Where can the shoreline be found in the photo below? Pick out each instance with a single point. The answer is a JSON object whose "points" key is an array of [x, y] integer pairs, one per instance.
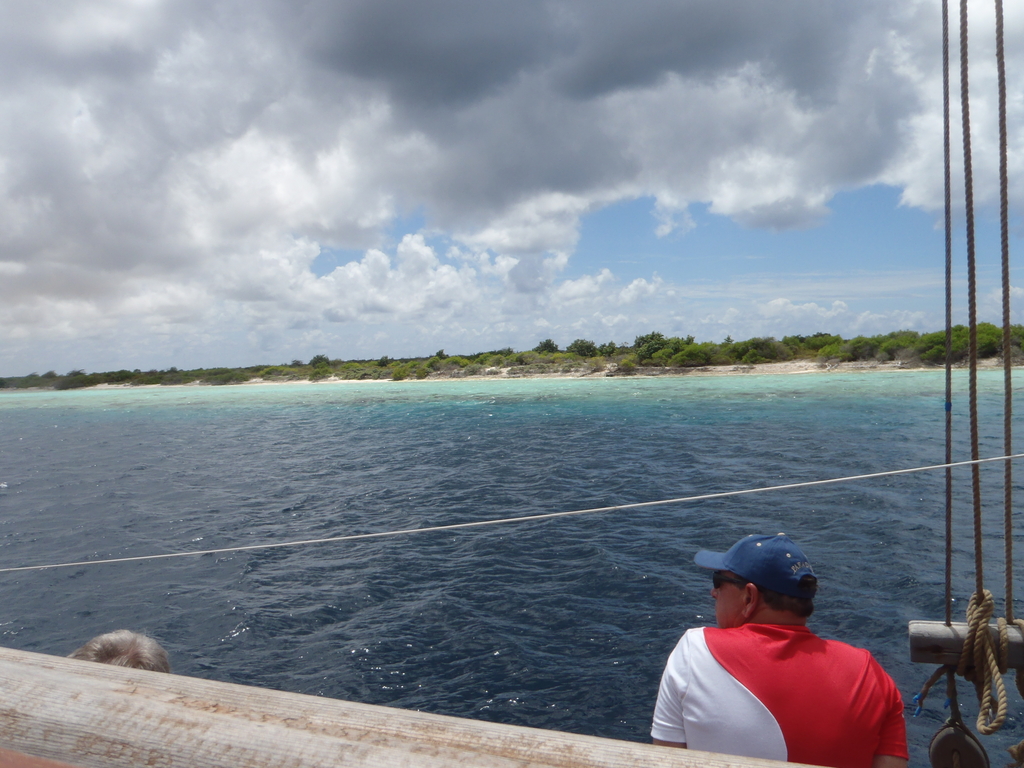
{"points": [[786, 368]]}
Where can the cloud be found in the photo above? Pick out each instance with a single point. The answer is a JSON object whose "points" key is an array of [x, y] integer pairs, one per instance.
{"points": [[445, 52], [416, 286], [169, 171]]}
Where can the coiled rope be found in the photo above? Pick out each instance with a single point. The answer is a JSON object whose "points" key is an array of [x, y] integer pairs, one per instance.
{"points": [[509, 520]]}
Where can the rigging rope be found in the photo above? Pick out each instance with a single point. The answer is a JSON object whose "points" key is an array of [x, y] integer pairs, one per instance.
{"points": [[1007, 361], [972, 304], [980, 660], [1017, 751], [949, 311], [523, 519]]}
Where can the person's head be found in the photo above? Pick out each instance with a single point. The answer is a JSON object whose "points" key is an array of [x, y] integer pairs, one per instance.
{"points": [[124, 648], [761, 577]]}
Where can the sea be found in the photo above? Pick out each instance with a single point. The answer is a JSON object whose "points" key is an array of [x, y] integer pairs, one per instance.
{"points": [[562, 624]]}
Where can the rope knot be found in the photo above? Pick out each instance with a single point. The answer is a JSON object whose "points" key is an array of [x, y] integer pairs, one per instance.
{"points": [[980, 663]]}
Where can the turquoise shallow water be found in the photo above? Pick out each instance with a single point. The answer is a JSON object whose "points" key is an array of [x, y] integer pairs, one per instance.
{"points": [[563, 624]]}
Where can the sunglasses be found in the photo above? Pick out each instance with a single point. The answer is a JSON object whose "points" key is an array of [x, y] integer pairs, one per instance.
{"points": [[718, 579]]}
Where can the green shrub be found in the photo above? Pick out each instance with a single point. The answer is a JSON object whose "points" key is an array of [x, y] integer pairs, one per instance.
{"points": [[582, 348], [648, 344], [627, 364], [180, 377], [77, 381], [274, 370], [546, 346], [990, 339], [117, 377], [32, 380], [399, 372], [932, 346], [221, 376], [763, 349], [862, 348], [349, 370], [694, 355], [834, 351], [318, 361], [147, 379], [818, 340], [661, 357]]}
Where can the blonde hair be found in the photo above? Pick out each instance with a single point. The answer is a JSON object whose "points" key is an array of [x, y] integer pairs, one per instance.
{"points": [[124, 648]]}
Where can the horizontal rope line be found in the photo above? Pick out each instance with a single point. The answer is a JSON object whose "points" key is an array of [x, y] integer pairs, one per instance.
{"points": [[524, 519]]}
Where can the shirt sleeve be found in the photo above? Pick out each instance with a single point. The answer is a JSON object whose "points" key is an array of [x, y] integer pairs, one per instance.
{"points": [[668, 712], [892, 739]]}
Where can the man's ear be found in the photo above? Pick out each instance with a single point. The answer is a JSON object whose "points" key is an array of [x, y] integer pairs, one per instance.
{"points": [[751, 600]]}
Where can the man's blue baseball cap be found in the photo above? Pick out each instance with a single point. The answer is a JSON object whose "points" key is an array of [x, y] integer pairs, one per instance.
{"points": [[773, 562]]}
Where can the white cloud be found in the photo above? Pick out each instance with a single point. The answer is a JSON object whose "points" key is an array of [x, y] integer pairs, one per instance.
{"points": [[415, 285], [546, 222], [639, 289], [585, 288]]}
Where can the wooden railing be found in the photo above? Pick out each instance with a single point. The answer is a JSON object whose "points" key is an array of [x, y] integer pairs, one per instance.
{"points": [[87, 714]]}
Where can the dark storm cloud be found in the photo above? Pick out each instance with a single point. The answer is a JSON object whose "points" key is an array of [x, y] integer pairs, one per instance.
{"points": [[514, 96], [625, 45], [444, 52], [447, 53]]}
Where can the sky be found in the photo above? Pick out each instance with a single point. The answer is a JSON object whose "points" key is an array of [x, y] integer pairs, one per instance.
{"points": [[229, 183]]}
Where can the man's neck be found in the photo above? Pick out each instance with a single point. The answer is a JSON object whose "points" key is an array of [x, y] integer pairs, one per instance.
{"points": [[767, 615]]}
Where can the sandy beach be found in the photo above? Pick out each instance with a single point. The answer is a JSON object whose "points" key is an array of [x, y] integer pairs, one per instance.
{"points": [[788, 367]]}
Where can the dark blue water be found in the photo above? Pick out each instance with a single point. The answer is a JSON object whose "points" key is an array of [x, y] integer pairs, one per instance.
{"points": [[564, 624]]}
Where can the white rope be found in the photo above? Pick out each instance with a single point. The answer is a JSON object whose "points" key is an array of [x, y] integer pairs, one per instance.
{"points": [[524, 519]]}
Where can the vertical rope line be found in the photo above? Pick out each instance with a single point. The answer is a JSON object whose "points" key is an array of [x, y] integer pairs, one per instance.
{"points": [[972, 308], [1004, 218], [949, 315]]}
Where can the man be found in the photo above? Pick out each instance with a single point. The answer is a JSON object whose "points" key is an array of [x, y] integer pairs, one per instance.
{"points": [[763, 685], [124, 648]]}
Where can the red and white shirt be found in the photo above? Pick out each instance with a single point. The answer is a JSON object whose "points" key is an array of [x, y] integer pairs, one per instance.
{"points": [[779, 692]]}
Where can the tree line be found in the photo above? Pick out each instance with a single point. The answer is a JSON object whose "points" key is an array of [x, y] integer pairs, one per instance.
{"points": [[648, 351]]}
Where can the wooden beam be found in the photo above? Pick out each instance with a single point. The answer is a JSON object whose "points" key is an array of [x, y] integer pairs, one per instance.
{"points": [[95, 715], [10, 759], [932, 642]]}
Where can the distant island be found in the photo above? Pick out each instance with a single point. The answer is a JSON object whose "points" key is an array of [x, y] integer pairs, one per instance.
{"points": [[649, 354]]}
